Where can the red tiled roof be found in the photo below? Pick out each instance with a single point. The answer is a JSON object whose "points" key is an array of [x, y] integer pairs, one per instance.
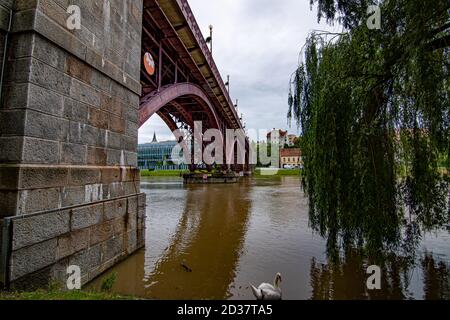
{"points": [[281, 132], [290, 152]]}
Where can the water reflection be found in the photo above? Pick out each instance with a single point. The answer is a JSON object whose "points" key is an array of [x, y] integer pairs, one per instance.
{"points": [[209, 242], [194, 240], [436, 279], [203, 253], [346, 278]]}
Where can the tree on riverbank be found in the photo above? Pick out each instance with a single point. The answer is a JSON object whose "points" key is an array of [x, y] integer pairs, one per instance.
{"points": [[373, 107]]}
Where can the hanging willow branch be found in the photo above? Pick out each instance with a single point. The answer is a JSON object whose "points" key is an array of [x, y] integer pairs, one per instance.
{"points": [[373, 108]]}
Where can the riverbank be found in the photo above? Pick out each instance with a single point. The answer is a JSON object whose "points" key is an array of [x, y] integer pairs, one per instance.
{"points": [[162, 173], [264, 172], [61, 295], [268, 172]]}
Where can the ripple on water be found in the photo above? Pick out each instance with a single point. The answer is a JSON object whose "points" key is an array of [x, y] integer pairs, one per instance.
{"points": [[230, 235]]}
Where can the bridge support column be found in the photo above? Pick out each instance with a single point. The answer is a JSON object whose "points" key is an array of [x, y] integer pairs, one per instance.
{"points": [[69, 186]]}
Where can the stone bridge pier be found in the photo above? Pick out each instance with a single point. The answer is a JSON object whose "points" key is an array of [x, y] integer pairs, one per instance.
{"points": [[69, 187]]}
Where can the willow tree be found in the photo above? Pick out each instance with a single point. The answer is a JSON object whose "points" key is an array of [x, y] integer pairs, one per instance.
{"points": [[373, 108]]}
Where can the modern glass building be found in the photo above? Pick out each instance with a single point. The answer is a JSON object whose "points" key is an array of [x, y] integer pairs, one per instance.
{"points": [[158, 156]]}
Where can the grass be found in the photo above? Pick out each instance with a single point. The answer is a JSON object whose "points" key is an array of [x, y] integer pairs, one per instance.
{"points": [[61, 295], [54, 292], [279, 173], [162, 173]]}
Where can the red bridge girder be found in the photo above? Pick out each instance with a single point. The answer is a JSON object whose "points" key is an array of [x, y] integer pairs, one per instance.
{"points": [[173, 37], [155, 101]]}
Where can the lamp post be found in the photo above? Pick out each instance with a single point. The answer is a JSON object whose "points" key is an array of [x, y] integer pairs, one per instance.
{"points": [[210, 38]]}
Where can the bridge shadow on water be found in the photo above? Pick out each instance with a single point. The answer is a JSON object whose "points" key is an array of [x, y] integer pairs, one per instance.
{"points": [[204, 248], [202, 257]]}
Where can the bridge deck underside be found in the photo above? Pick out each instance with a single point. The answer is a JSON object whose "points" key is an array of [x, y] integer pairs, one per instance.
{"points": [[178, 55], [184, 111]]}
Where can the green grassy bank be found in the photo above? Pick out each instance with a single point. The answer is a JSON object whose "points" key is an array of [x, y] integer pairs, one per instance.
{"points": [[61, 295], [162, 173], [266, 173]]}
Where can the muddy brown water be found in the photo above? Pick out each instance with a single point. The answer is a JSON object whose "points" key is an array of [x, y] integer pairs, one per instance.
{"points": [[211, 241]]}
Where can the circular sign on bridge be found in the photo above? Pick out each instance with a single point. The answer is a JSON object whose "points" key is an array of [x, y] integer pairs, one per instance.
{"points": [[149, 64]]}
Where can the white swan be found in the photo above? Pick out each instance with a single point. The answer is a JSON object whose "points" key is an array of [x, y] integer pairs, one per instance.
{"points": [[267, 291]]}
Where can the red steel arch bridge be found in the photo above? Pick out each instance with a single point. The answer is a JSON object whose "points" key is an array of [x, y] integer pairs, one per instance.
{"points": [[186, 86]]}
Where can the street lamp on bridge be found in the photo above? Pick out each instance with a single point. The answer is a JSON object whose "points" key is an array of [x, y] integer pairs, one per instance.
{"points": [[210, 38]]}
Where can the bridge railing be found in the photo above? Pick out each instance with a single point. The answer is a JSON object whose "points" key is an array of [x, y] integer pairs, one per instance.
{"points": [[190, 18]]}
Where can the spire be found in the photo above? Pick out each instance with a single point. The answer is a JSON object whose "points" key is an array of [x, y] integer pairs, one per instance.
{"points": [[154, 138]]}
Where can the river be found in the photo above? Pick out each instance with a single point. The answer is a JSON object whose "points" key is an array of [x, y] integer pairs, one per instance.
{"points": [[211, 241]]}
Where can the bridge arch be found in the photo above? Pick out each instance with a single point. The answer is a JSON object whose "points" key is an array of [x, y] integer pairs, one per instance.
{"points": [[153, 102]]}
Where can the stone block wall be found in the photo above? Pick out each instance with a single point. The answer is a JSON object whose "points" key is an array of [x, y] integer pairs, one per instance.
{"points": [[5, 8], [68, 131], [93, 237]]}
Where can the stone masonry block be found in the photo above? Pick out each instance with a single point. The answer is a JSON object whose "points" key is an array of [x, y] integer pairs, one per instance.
{"points": [[40, 125], [9, 177], [75, 111], [8, 203], [38, 200], [48, 53], [37, 177], [74, 154], [131, 114], [38, 151], [116, 124], [142, 201], [73, 242], [114, 157], [77, 69], [84, 134], [131, 243], [82, 176], [114, 141], [115, 209], [87, 216], [131, 222], [131, 159], [132, 204], [73, 196], [21, 45], [132, 129], [34, 229], [11, 149], [33, 258], [113, 105], [110, 174], [129, 174], [12, 122], [33, 97], [44, 100], [96, 156], [98, 118], [84, 93], [119, 226], [114, 247], [101, 232], [132, 187], [129, 144], [50, 78], [87, 259]]}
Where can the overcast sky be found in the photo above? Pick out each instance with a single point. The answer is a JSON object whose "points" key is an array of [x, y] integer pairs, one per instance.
{"points": [[257, 43]]}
